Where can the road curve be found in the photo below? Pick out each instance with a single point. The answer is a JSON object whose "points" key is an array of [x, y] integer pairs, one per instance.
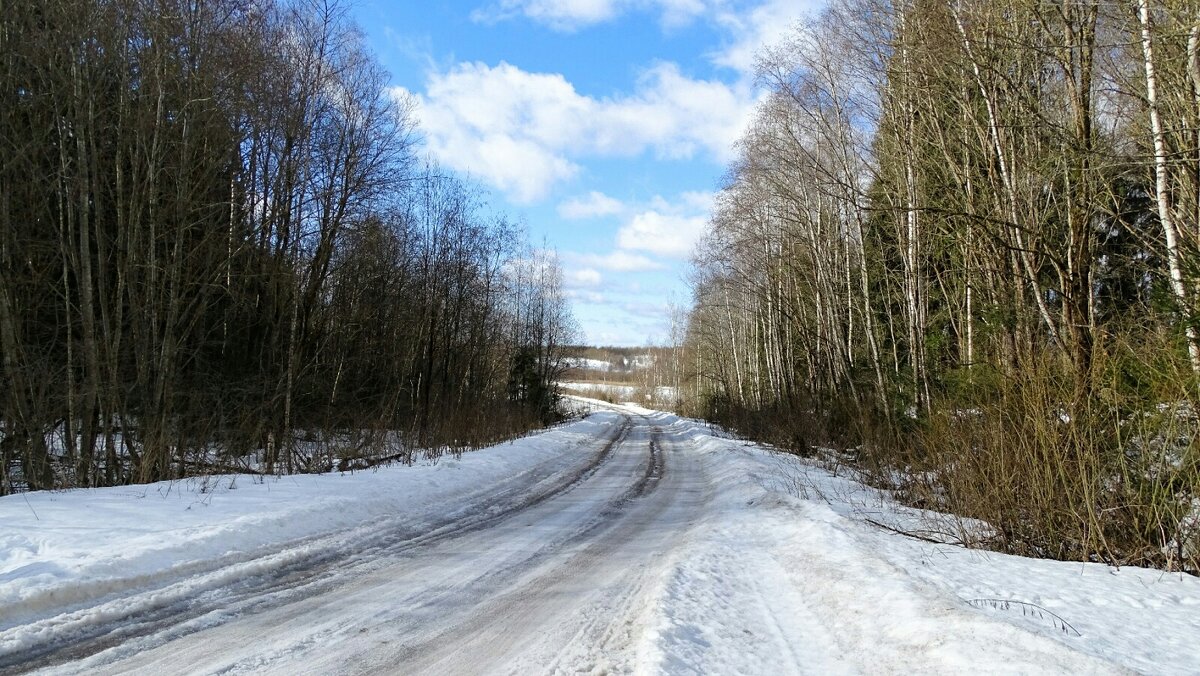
{"points": [[552, 577]]}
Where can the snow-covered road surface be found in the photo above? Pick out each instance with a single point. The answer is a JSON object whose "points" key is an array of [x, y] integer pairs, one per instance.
{"points": [[629, 542]]}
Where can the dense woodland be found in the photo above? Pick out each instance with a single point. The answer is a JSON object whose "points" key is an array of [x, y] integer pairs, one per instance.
{"points": [[218, 249], [962, 241]]}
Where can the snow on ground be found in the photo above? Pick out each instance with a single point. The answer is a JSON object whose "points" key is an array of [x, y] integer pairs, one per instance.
{"points": [[775, 569], [790, 552], [612, 389], [585, 363], [62, 548], [618, 391]]}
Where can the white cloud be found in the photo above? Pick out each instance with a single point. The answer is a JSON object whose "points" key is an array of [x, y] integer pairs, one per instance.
{"points": [[592, 205], [583, 277], [679, 116], [661, 227], [748, 25], [571, 15], [495, 156], [616, 261], [521, 132], [501, 124], [765, 25], [560, 15], [668, 229], [663, 234], [693, 200], [676, 13]]}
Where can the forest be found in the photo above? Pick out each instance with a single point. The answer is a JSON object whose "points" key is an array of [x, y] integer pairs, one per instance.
{"points": [[960, 250], [220, 251]]}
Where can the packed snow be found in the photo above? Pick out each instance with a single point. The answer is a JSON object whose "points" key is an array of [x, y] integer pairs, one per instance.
{"points": [[793, 555], [59, 550], [652, 544]]}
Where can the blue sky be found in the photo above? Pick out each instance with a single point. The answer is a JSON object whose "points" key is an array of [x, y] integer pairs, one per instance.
{"points": [[602, 125]]}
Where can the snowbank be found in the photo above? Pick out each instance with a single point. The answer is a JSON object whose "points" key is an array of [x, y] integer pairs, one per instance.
{"points": [[61, 549], [791, 552]]}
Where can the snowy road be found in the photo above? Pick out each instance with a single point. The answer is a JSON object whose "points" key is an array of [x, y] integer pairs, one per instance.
{"points": [[550, 584], [550, 574], [630, 542]]}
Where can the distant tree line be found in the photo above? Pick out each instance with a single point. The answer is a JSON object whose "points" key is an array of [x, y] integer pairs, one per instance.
{"points": [[962, 240], [218, 250]]}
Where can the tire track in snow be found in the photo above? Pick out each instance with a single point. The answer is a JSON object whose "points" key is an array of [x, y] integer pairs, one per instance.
{"points": [[526, 628], [312, 565]]}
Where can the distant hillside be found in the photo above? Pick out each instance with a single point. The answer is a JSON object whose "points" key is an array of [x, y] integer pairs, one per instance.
{"points": [[587, 362]]}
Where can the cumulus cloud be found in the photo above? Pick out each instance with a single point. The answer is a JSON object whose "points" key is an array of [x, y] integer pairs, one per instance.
{"points": [[668, 229], [663, 234], [592, 205], [749, 31], [521, 132]]}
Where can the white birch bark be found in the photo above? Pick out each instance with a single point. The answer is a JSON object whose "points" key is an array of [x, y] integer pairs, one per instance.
{"points": [[1162, 185]]}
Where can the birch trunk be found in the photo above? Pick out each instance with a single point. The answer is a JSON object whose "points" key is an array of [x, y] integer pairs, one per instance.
{"points": [[1162, 187]]}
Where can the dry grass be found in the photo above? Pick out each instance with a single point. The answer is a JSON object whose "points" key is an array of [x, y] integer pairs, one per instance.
{"points": [[1110, 476]]}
